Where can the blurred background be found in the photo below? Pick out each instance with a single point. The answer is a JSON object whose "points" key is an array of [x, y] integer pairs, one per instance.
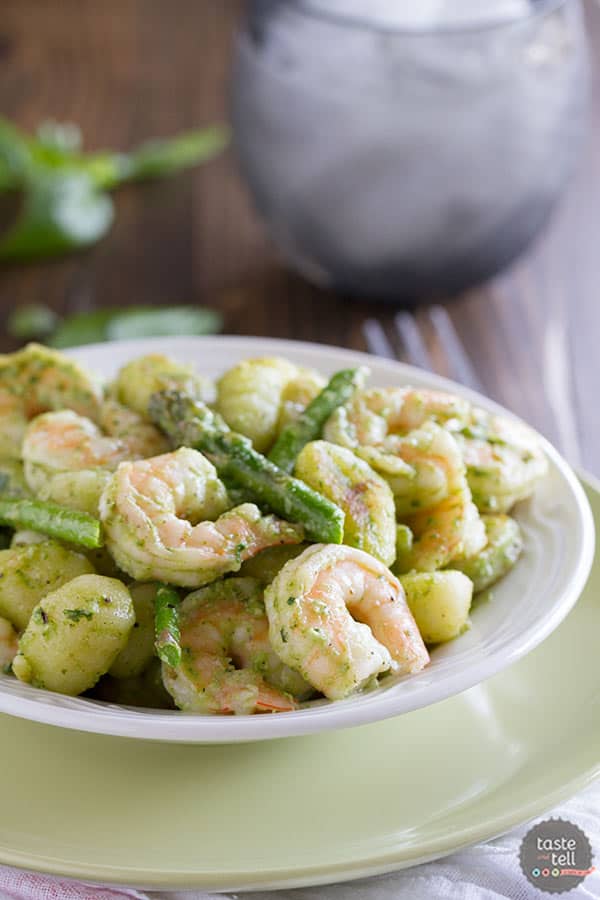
{"points": [[132, 70]]}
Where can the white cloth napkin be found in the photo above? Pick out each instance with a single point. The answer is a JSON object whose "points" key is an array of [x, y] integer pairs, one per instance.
{"points": [[483, 872]]}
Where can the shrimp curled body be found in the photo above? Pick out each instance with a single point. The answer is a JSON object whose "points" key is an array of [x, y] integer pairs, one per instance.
{"points": [[227, 664], [451, 526], [504, 461], [376, 425], [148, 509], [36, 380], [340, 618], [68, 460]]}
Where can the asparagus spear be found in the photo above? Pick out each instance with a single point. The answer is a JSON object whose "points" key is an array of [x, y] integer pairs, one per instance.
{"points": [[166, 625], [309, 424], [192, 424], [51, 519]]}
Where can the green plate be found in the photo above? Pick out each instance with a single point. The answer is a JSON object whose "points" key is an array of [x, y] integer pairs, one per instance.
{"points": [[318, 809]]}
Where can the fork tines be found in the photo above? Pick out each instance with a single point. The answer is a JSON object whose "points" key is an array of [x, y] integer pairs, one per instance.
{"points": [[407, 336]]}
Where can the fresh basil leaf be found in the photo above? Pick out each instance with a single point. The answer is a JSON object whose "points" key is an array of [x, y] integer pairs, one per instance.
{"points": [[61, 211], [65, 201], [61, 137], [159, 158], [136, 321], [157, 322], [82, 328], [15, 158]]}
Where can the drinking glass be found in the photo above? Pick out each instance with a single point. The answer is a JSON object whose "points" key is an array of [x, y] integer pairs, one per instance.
{"points": [[403, 161]]}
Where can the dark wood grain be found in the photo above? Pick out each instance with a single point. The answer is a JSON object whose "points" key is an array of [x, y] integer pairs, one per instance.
{"points": [[129, 69]]}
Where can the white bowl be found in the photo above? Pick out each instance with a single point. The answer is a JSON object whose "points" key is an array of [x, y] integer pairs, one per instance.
{"points": [[526, 607]]}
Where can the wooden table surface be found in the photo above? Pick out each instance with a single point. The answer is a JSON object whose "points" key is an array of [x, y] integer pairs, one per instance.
{"points": [[126, 70]]}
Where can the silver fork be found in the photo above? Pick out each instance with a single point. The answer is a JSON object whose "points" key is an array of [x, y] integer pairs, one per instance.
{"points": [[556, 368], [412, 347]]}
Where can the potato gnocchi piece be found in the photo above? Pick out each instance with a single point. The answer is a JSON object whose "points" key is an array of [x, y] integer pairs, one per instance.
{"points": [[250, 395], [75, 490], [363, 495], [139, 650], [440, 603], [9, 643], [30, 571], [144, 376], [297, 394], [75, 634]]}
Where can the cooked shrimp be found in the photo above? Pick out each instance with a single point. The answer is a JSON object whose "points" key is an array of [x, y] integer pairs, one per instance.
{"points": [[377, 423], [68, 460], [504, 545], [451, 527], [339, 617], [141, 438], [432, 497], [35, 380], [149, 509], [64, 441], [9, 643], [504, 461], [503, 457], [375, 415], [228, 664]]}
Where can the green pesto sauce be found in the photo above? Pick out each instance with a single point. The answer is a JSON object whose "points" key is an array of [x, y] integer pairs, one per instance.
{"points": [[75, 615]]}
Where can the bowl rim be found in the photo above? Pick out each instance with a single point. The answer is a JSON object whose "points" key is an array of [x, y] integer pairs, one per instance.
{"points": [[82, 714]]}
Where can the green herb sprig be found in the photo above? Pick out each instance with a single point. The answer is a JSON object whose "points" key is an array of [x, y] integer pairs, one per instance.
{"points": [[38, 322], [65, 201]]}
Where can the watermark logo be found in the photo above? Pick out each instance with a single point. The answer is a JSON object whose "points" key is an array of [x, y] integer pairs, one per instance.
{"points": [[556, 856]]}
